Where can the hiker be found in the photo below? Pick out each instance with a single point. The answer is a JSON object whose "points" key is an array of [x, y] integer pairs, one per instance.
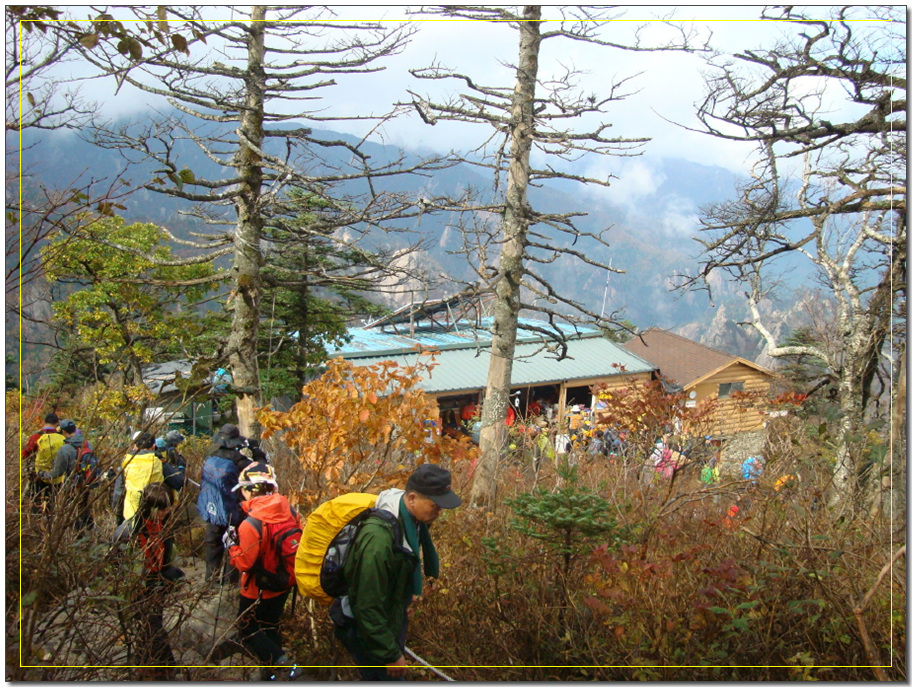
{"points": [[140, 467], [66, 467], [249, 547], [172, 455], [149, 529], [218, 502], [542, 447], [43, 445], [384, 576], [468, 412], [174, 465], [597, 445], [752, 468], [662, 458]]}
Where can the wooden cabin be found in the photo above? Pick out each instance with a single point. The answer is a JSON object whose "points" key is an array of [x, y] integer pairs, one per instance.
{"points": [[707, 373]]}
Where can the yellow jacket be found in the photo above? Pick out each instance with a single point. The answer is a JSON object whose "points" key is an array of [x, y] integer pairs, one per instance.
{"points": [[139, 470]]}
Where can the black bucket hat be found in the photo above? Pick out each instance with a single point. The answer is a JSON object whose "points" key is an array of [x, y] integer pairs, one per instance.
{"points": [[433, 481], [228, 436]]}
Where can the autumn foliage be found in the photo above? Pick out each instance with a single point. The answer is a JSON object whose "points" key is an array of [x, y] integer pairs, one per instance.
{"points": [[644, 412], [363, 429]]}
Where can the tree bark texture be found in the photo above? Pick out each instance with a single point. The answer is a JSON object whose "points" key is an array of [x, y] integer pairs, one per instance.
{"points": [[248, 259], [515, 227], [898, 505]]}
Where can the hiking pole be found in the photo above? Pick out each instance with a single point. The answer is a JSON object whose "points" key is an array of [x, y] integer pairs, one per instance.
{"points": [[218, 607], [428, 665]]}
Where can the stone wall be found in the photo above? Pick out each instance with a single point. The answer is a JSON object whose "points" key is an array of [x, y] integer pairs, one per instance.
{"points": [[739, 447]]}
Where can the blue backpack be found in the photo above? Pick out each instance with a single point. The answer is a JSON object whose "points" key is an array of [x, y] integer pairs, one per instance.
{"points": [[217, 503], [752, 468]]}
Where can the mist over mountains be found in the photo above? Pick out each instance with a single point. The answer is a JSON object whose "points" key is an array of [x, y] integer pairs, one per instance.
{"points": [[651, 209]]}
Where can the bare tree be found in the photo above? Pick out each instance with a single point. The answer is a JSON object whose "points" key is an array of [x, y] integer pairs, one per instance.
{"points": [[832, 192], [258, 71], [514, 248]]}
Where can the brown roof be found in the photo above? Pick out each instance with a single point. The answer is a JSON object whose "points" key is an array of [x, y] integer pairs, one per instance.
{"points": [[678, 359]]}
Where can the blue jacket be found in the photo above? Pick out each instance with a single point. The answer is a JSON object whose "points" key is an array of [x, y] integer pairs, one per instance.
{"points": [[217, 503]]}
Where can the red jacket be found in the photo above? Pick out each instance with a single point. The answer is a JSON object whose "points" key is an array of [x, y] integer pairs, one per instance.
{"points": [[244, 555]]}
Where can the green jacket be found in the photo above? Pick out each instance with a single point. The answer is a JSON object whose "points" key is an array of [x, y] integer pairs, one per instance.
{"points": [[379, 578]]}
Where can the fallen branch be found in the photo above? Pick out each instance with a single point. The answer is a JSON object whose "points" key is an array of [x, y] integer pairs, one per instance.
{"points": [[858, 611]]}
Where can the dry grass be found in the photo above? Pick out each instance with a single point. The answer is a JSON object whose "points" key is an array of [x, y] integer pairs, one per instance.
{"points": [[768, 594]]}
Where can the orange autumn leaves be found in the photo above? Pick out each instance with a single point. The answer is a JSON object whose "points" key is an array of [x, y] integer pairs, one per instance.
{"points": [[363, 428]]}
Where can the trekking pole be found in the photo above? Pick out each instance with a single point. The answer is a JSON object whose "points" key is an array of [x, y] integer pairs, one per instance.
{"points": [[294, 597], [428, 665], [218, 607]]}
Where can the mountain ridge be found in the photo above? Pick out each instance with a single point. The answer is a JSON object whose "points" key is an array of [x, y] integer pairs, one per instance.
{"points": [[652, 214]]}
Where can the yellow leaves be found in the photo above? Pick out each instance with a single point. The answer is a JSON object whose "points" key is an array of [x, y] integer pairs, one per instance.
{"points": [[364, 416], [112, 404]]}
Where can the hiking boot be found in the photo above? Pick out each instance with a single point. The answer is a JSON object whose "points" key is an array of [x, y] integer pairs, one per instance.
{"points": [[296, 673], [224, 649], [281, 673]]}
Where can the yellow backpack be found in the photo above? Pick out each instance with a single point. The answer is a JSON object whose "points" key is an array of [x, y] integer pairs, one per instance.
{"points": [[322, 526], [48, 445]]}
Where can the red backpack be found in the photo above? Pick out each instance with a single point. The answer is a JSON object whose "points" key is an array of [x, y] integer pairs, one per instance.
{"points": [[86, 470], [274, 569]]}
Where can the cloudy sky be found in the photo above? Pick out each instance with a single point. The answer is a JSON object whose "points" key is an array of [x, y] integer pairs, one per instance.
{"points": [[664, 86]]}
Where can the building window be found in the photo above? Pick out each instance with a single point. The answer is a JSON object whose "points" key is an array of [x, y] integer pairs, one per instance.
{"points": [[725, 390]]}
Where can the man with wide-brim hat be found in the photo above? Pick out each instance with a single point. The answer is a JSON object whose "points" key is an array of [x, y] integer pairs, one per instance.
{"points": [[219, 502], [384, 572]]}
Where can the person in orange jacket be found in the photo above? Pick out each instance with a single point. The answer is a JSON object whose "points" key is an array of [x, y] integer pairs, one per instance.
{"points": [[260, 610]]}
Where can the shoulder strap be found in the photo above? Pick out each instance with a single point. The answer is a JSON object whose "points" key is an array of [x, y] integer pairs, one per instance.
{"points": [[257, 525], [390, 519]]}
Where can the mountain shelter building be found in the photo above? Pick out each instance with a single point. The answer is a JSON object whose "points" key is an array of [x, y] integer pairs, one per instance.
{"points": [[707, 373], [460, 333]]}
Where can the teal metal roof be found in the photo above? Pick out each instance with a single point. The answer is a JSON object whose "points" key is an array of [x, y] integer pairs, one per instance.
{"points": [[391, 340], [466, 368]]}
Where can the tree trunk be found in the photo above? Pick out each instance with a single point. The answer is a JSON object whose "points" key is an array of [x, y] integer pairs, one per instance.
{"points": [[510, 270], [865, 335], [845, 472], [242, 341], [898, 443]]}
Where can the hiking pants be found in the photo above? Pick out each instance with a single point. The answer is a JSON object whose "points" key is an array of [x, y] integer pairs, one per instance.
{"points": [[151, 645], [42, 494], [215, 556], [347, 633], [259, 627], [84, 520]]}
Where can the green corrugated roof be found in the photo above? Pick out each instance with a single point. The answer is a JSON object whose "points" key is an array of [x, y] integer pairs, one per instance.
{"points": [[466, 369]]}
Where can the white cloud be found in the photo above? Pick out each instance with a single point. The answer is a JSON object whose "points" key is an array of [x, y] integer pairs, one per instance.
{"points": [[669, 84], [679, 217], [638, 181]]}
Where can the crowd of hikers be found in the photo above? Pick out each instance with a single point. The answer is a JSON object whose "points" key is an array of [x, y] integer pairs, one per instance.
{"points": [[365, 555]]}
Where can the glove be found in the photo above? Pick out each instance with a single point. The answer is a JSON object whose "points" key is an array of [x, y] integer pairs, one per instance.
{"points": [[230, 538]]}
